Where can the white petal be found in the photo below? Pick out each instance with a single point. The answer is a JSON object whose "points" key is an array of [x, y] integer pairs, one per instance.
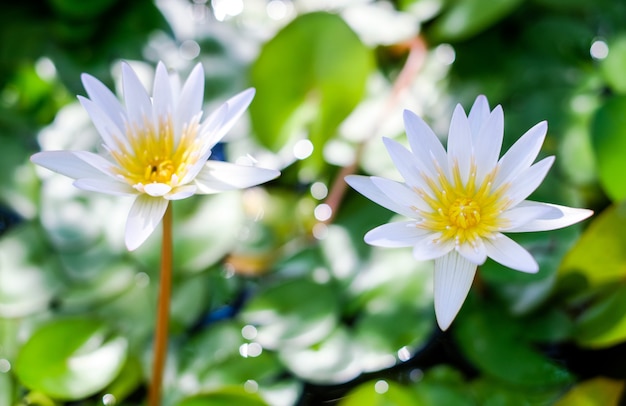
{"points": [[404, 161], [145, 215], [521, 215], [365, 186], [237, 105], [181, 192], [136, 99], [107, 186], [476, 254], [529, 180], [556, 217], [460, 149], [219, 176], [73, 164], [162, 97], [400, 193], [430, 248], [191, 96], [112, 135], [504, 250], [453, 278], [478, 114], [522, 154], [103, 97], [157, 189], [487, 144], [425, 145], [401, 234]]}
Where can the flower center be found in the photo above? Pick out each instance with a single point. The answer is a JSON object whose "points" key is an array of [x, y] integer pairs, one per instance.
{"points": [[464, 213], [160, 171], [462, 210]]}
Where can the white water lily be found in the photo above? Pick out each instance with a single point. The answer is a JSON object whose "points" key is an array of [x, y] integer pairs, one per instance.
{"points": [[463, 199], [155, 148]]}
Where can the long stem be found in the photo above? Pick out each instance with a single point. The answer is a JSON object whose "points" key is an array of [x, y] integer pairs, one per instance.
{"points": [[163, 311]]}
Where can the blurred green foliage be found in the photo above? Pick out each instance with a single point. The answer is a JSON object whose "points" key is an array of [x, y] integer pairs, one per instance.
{"points": [[273, 304]]}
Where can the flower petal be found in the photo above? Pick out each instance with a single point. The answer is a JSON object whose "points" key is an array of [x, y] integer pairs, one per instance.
{"points": [[453, 278], [522, 154], [237, 105], [431, 248], [217, 176], [365, 186], [507, 252], [521, 215], [401, 194], [73, 164], [425, 145], [460, 148], [478, 115], [476, 254], [487, 144], [181, 192], [112, 135], [400, 234], [556, 217], [145, 215], [103, 97], [157, 189], [107, 186], [529, 180], [190, 102], [404, 161], [136, 99], [162, 97]]}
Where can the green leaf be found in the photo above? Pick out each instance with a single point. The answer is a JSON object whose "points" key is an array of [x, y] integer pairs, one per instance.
{"points": [[608, 132], [600, 253], [603, 323], [614, 65], [310, 75], [597, 391], [70, 359], [380, 393], [224, 397], [296, 313], [469, 17], [493, 342]]}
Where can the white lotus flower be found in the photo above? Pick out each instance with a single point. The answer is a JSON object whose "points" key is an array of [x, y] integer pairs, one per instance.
{"points": [[155, 148], [462, 200]]}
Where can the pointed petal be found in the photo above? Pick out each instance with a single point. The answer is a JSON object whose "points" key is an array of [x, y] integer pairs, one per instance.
{"points": [[453, 278], [103, 97], [478, 114], [162, 98], [182, 192], [460, 148], [430, 248], [507, 252], [144, 217], [404, 161], [237, 105], [191, 96], [107, 186], [475, 254], [157, 189], [487, 144], [136, 99], [556, 217], [365, 186], [217, 176], [521, 215], [401, 234], [522, 154], [112, 135], [425, 145], [400, 193], [74, 164], [528, 180]]}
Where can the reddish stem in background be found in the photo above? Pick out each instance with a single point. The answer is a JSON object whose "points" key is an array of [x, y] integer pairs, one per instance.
{"points": [[163, 311], [414, 61]]}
